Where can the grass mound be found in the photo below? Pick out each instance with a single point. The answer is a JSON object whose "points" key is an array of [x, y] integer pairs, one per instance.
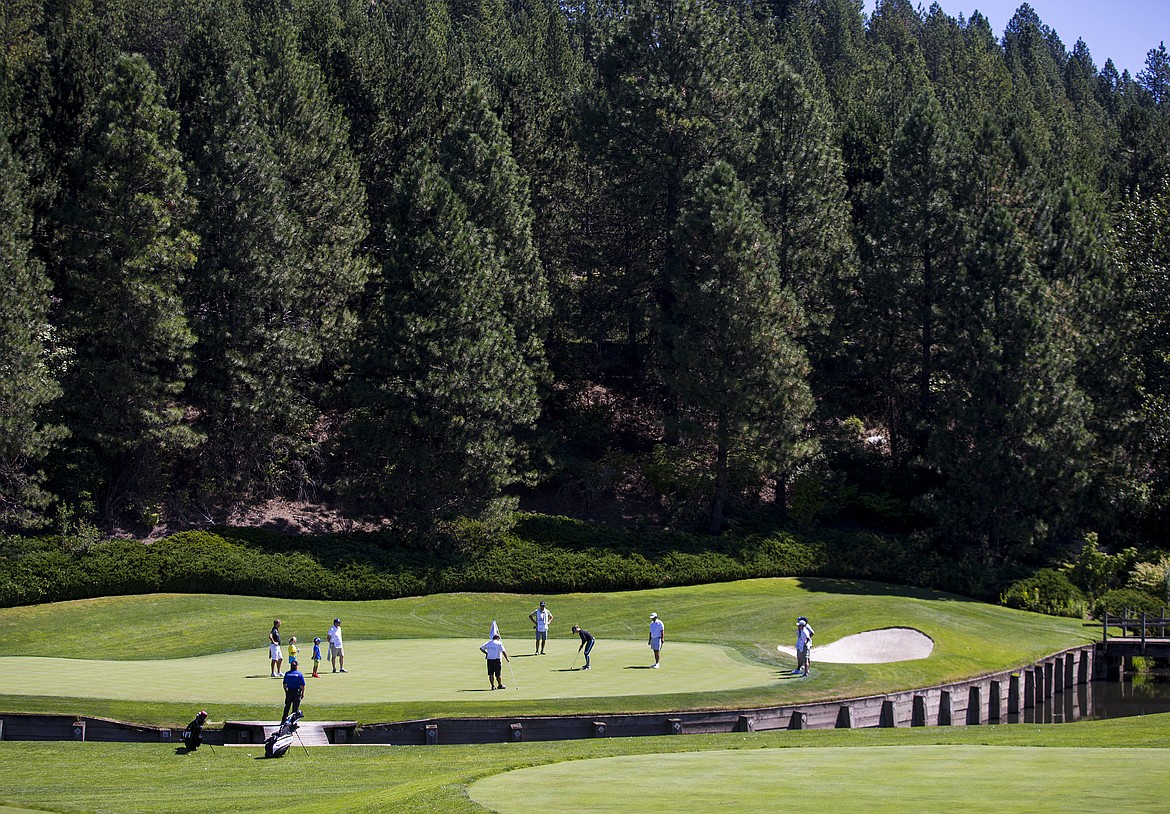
{"points": [[744, 621]]}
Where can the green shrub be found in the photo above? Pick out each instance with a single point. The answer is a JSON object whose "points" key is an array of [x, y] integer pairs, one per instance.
{"points": [[1119, 601], [1047, 591], [536, 553]]}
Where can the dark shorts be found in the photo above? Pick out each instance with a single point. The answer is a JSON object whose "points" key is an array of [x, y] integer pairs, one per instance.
{"points": [[493, 667]]}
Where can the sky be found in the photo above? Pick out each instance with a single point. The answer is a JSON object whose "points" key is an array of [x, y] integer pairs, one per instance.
{"points": [[1121, 30]]}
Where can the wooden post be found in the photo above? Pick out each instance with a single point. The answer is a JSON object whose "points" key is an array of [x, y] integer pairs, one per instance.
{"points": [[845, 717], [1014, 694], [1057, 675], [918, 711], [799, 720], [944, 708], [1029, 688], [886, 718], [994, 700], [974, 705]]}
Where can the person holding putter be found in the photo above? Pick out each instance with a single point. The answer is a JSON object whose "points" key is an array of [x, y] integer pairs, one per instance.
{"points": [[494, 650], [587, 642]]}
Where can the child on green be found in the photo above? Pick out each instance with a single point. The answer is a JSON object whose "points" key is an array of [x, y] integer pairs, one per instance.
{"points": [[292, 648], [316, 656]]}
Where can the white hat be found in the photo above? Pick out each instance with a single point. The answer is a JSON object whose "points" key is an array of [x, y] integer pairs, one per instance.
{"points": [[654, 616]]}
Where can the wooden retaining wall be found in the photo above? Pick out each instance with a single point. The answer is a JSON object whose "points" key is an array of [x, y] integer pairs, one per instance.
{"points": [[996, 698]]}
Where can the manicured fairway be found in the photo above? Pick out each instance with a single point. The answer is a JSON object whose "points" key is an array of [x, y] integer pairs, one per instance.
{"points": [[888, 779], [396, 671], [1067, 768]]}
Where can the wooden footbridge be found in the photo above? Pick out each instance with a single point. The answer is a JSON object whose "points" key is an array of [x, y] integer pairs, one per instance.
{"points": [[1128, 636]]}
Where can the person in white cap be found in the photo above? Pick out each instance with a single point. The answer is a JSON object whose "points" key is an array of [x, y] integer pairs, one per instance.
{"points": [[657, 637], [336, 647], [541, 617], [804, 634]]}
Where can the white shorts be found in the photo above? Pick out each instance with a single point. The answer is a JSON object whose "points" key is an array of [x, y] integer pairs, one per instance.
{"points": [[274, 652]]}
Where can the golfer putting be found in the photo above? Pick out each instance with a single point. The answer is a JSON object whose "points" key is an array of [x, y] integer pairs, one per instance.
{"points": [[494, 650], [587, 642]]}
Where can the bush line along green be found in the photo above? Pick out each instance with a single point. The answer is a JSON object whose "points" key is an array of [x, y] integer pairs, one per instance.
{"points": [[539, 554]]}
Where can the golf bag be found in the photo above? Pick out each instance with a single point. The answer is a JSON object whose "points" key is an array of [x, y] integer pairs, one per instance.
{"points": [[193, 734], [280, 740]]}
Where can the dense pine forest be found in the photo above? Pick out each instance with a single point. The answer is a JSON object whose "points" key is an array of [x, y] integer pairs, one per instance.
{"points": [[725, 259]]}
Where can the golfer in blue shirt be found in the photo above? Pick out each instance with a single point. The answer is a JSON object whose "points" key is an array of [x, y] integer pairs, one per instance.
{"points": [[294, 689]]}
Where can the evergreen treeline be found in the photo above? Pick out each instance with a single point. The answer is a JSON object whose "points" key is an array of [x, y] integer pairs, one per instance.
{"points": [[412, 254]]}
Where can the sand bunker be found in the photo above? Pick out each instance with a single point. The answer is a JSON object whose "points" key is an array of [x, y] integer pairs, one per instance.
{"points": [[872, 647]]}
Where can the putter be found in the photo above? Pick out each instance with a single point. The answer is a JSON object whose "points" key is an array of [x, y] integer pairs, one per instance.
{"points": [[515, 683], [574, 664]]}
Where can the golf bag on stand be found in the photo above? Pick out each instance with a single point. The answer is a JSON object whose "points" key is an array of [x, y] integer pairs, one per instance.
{"points": [[280, 740], [193, 734]]}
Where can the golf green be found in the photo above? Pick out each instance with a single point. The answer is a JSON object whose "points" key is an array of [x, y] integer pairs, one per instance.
{"points": [[396, 670], [842, 780]]}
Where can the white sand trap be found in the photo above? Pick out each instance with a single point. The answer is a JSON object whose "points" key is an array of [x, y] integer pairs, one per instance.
{"points": [[872, 647]]}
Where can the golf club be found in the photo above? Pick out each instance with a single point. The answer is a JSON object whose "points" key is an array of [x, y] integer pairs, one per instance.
{"points": [[302, 743], [515, 683], [573, 666]]}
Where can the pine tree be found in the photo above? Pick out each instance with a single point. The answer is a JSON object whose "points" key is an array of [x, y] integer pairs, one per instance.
{"points": [[476, 156], [242, 295], [915, 232], [282, 219], [1143, 233], [126, 252], [325, 197], [731, 354], [27, 387], [1012, 455], [668, 99], [441, 383]]}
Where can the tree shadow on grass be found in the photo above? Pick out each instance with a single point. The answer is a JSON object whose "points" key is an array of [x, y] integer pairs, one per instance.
{"points": [[860, 587]]}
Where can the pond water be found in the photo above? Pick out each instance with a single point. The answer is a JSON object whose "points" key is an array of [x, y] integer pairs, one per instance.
{"points": [[1138, 695]]}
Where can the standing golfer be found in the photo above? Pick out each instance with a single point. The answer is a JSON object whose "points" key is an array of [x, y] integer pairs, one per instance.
{"points": [[274, 653], [804, 634], [336, 652], [294, 689], [541, 618], [657, 637], [493, 650], [586, 643]]}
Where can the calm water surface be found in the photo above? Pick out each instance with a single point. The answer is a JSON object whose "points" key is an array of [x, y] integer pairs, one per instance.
{"points": [[1141, 695]]}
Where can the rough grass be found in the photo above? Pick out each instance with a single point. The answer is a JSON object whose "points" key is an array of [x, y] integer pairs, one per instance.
{"points": [[149, 778], [749, 618]]}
